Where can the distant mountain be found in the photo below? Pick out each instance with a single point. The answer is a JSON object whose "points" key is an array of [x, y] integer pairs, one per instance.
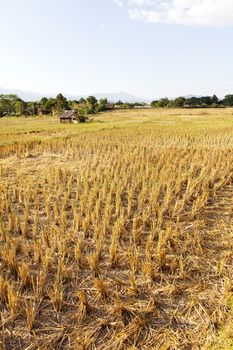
{"points": [[186, 96], [190, 96], [35, 96], [120, 96], [25, 95]]}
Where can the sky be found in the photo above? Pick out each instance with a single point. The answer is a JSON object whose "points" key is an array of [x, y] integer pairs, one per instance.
{"points": [[148, 48]]}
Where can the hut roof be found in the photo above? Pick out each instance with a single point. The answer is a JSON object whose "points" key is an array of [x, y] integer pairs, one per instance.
{"points": [[68, 114], [72, 115]]}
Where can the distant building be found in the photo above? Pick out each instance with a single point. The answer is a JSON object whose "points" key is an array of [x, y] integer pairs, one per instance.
{"points": [[108, 105], [142, 107], [72, 117]]}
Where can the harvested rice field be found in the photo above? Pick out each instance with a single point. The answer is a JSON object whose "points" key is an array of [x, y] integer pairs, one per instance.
{"points": [[117, 234]]}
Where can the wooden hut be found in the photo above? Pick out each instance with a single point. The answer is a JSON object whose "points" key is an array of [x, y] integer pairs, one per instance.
{"points": [[72, 116]]}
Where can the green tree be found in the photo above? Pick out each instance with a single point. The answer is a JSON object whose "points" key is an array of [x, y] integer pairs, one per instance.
{"points": [[20, 107], [119, 103], [214, 100], [102, 104], [44, 105], [163, 102], [228, 101], [7, 104], [206, 101], [61, 103], [32, 108], [154, 104], [91, 102], [82, 100], [179, 102]]}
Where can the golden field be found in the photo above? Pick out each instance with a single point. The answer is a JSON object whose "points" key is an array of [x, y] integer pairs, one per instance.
{"points": [[117, 234]]}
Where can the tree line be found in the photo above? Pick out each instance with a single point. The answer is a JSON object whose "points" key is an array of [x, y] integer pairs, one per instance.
{"points": [[194, 102], [13, 105]]}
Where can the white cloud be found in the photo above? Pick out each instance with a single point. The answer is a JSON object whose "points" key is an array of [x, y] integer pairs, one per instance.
{"points": [[103, 26], [119, 2], [214, 13]]}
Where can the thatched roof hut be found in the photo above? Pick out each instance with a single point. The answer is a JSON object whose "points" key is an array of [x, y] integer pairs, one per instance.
{"points": [[72, 116]]}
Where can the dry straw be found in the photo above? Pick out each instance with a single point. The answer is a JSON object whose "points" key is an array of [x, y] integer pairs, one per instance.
{"points": [[116, 238]]}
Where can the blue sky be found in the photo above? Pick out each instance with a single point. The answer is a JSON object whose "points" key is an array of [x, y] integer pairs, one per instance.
{"points": [[148, 48]]}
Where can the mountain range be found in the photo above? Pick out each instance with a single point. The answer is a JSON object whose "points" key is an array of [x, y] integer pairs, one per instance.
{"points": [[35, 96]]}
